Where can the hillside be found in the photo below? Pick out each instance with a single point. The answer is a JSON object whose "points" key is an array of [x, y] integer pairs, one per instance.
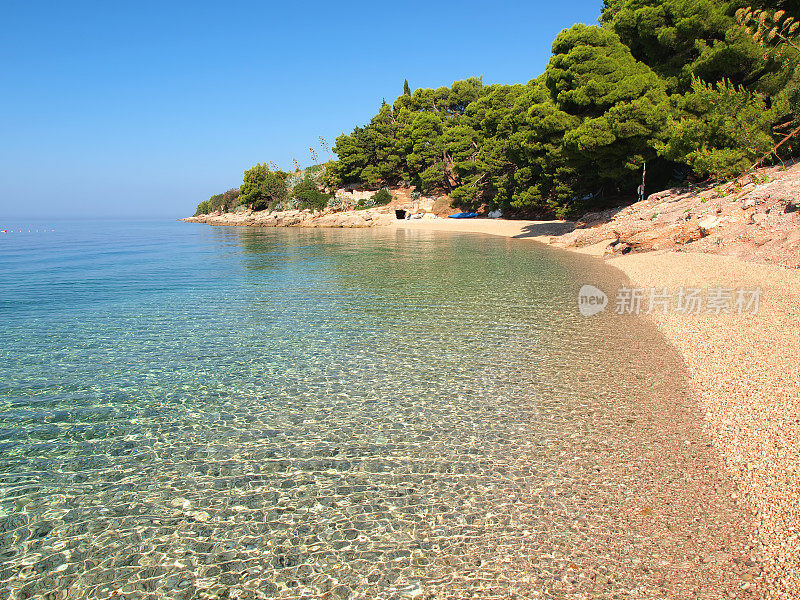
{"points": [[678, 91], [754, 218]]}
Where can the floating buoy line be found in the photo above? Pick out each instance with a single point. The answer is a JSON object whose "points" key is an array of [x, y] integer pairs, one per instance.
{"points": [[27, 231]]}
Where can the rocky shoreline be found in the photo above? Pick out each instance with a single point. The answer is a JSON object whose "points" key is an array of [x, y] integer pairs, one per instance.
{"points": [[425, 209], [755, 219], [299, 218]]}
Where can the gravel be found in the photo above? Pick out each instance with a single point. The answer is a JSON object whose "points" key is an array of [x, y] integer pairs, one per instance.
{"points": [[744, 373]]}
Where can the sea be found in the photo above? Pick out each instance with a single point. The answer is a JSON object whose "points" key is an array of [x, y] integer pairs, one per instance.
{"points": [[229, 412]]}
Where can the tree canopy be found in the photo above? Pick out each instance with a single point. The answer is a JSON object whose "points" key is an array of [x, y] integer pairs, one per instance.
{"points": [[681, 86], [262, 187], [691, 88]]}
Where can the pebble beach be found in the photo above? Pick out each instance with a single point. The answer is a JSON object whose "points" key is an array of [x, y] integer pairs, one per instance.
{"points": [[745, 376]]}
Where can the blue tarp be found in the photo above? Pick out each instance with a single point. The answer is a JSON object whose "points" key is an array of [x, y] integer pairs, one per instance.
{"points": [[463, 215]]}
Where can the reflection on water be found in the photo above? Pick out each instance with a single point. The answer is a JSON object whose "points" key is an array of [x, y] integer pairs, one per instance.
{"points": [[237, 413]]}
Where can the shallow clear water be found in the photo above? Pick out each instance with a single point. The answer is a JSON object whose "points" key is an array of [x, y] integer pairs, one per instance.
{"points": [[188, 411]]}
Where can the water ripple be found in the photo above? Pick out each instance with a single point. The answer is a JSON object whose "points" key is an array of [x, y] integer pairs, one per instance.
{"points": [[193, 412]]}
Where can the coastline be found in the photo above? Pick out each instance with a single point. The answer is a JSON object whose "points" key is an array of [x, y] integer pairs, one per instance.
{"points": [[743, 372], [540, 231], [742, 369]]}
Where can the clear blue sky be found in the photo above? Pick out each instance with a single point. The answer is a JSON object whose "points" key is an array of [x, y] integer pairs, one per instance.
{"points": [[146, 108]]}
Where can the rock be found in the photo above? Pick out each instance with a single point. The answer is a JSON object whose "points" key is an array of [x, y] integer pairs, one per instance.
{"points": [[709, 222], [617, 248], [411, 591], [199, 515], [586, 220], [342, 591], [170, 583], [791, 207], [595, 218], [689, 233]]}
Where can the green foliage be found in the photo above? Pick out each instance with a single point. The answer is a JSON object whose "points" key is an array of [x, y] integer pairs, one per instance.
{"points": [[662, 82], [382, 197], [706, 85], [621, 104], [308, 195], [778, 33], [592, 71], [355, 152], [586, 126], [262, 187], [203, 208], [681, 39], [718, 130], [225, 202]]}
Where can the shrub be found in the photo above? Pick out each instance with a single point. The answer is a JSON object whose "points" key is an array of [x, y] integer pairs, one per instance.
{"points": [[308, 195], [262, 188], [230, 199], [382, 197], [203, 208], [719, 130]]}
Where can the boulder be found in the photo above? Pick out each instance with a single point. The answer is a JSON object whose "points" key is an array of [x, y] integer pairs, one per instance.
{"points": [[617, 248], [688, 233]]}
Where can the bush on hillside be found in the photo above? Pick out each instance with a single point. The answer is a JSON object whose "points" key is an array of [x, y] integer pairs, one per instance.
{"points": [[381, 198], [203, 208], [309, 195], [263, 188]]}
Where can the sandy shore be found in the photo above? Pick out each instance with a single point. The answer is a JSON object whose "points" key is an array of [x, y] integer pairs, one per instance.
{"points": [[745, 373], [536, 230]]}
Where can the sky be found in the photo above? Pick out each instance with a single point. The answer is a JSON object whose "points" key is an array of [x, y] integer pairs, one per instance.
{"points": [[143, 109]]}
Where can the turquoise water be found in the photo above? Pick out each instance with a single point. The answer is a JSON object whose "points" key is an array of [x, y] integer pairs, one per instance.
{"points": [[206, 412]]}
